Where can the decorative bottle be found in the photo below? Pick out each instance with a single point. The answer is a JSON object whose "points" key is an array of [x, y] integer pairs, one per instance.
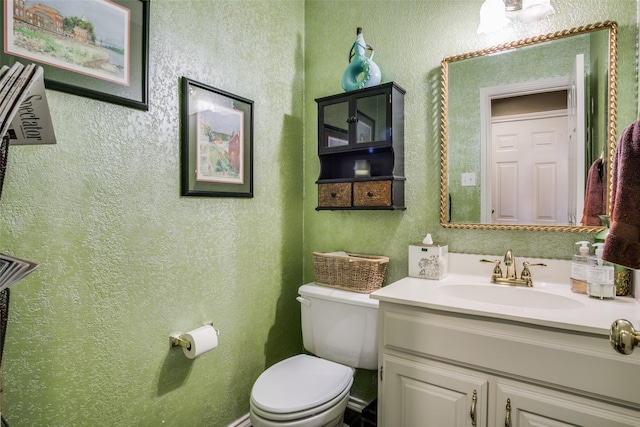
{"points": [[362, 71]]}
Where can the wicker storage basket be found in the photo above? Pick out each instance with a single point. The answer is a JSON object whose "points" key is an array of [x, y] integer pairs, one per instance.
{"points": [[356, 273]]}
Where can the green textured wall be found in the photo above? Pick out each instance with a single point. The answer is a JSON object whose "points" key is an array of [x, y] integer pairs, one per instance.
{"points": [[410, 39], [125, 261]]}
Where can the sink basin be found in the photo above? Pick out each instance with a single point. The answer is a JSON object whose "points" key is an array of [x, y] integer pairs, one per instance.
{"points": [[509, 296]]}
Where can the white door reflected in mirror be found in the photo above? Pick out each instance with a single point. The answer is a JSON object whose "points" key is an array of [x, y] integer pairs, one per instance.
{"points": [[534, 161], [529, 184]]}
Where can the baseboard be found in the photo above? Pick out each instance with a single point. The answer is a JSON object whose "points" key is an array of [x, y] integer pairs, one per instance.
{"points": [[354, 403], [241, 422]]}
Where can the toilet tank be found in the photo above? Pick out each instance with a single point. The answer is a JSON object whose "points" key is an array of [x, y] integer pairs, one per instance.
{"points": [[340, 325]]}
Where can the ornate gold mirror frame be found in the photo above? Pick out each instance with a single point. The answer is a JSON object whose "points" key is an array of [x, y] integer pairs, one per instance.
{"points": [[611, 121]]}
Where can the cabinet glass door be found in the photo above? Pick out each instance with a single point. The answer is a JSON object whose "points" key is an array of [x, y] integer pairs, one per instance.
{"points": [[336, 124], [371, 114]]}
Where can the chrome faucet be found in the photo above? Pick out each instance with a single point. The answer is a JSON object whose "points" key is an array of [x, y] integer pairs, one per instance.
{"points": [[511, 275]]}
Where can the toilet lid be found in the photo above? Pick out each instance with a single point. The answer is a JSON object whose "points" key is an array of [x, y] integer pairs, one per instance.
{"points": [[298, 383]]}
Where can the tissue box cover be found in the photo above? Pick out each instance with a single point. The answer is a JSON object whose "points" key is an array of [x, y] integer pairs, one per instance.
{"points": [[428, 261]]}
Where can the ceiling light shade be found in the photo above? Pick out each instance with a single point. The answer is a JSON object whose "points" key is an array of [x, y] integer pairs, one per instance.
{"points": [[535, 10], [493, 16]]}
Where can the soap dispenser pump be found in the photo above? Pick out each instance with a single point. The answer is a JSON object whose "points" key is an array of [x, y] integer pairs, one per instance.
{"points": [[579, 266]]}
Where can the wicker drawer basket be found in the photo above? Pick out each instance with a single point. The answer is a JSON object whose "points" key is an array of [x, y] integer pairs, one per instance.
{"points": [[356, 273]]}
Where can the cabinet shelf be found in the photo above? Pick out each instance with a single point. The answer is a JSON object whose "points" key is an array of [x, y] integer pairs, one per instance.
{"points": [[367, 179], [365, 128], [370, 147]]}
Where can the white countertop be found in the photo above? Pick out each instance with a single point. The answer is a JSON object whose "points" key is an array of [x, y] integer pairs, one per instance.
{"points": [[584, 314]]}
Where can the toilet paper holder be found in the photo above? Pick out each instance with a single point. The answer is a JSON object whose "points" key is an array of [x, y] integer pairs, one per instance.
{"points": [[176, 340]]}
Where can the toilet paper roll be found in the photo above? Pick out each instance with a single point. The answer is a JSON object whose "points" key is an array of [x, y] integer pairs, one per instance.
{"points": [[203, 339]]}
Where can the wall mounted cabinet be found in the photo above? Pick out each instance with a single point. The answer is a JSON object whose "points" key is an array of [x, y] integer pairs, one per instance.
{"points": [[361, 149]]}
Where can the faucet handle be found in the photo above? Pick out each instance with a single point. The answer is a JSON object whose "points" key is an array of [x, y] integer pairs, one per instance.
{"points": [[497, 271], [526, 265], [526, 273]]}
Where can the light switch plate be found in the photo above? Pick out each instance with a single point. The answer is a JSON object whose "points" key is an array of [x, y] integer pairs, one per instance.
{"points": [[469, 179]]}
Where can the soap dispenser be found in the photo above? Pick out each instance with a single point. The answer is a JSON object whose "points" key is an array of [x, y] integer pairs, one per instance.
{"points": [[579, 266], [622, 276], [600, 277]]}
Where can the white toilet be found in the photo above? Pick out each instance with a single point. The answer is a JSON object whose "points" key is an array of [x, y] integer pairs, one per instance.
{"points": [[339, 327]]}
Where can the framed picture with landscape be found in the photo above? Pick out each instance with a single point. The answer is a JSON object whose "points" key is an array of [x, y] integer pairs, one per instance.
{"points": [[216, 142], [96, 49]]}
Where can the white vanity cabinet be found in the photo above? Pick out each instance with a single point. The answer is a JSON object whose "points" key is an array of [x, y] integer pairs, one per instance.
{"points": [[447, 369]]}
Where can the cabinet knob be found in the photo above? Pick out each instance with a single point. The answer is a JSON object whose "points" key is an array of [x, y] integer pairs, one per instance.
{"points": [[369, 193], [623, 336], [352, 119], [333, 194]]}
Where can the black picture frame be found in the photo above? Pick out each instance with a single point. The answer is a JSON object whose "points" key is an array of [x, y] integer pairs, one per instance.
{"points": [[216, 142], [335, 137], [119, 75], [366, 128]]}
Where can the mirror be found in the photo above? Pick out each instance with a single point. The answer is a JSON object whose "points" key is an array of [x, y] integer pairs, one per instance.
{"points": [[523, 123]]}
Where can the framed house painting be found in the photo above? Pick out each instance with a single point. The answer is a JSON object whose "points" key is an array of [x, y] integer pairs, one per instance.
{"points": [[216, 142]]}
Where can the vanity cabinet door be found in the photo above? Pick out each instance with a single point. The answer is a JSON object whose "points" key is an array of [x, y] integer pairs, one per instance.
{"points": [[429, 394], [524, 405]]}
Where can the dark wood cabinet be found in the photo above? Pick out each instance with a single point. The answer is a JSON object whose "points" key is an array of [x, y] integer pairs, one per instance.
{"points": [[361, 149]]}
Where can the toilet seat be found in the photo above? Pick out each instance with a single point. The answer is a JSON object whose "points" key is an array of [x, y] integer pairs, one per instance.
{"points": [[299, 387], [319, 415]]}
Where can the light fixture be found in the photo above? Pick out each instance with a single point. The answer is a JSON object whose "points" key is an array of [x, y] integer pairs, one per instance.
{"points": [[493, 16], [535, 10], [496, 14]]}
